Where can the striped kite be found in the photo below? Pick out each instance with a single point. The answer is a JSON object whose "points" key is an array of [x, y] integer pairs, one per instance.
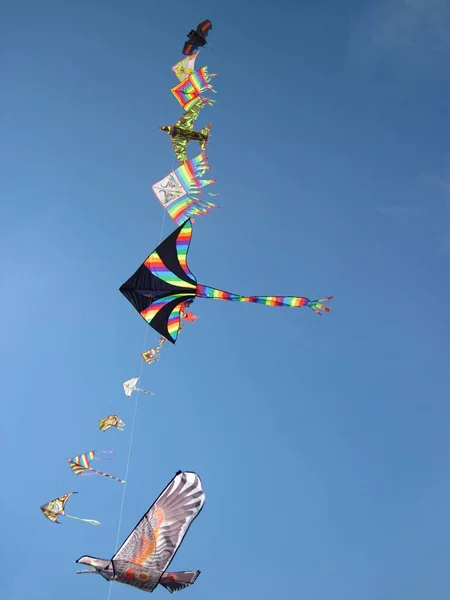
{"points": [[81, 464], [163, 286]]}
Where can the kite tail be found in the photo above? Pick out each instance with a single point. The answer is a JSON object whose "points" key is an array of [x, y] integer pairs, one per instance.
{"points": [[204, 291], [107, 475], [201, 80], [144, 391], [91, 521]]}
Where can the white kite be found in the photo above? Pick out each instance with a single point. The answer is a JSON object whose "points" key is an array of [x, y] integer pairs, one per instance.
{"points": [[130, 386]]}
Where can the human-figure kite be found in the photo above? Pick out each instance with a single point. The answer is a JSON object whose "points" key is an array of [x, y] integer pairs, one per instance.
{"points": [[111, 421], [143, 558], [197, 37], [81, 464], [183, 132], [179, 191], [163, 285], [56, 508], [130, 386]]}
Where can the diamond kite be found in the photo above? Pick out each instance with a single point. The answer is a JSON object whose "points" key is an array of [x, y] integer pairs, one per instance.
{"points": [[163, 285], [56, 508], [189, 90], [179, 191], [197, 37], [81, 464], [111, 421], [183, 132], [142, 559], [130, 386]]}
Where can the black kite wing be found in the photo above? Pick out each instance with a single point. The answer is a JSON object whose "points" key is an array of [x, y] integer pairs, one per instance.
{"points": [[204, 28], [189, 48], [162, 285], [154, 541]]}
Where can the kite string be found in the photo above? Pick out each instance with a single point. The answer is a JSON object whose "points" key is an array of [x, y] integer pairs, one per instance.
{"points": [[132, 431]]}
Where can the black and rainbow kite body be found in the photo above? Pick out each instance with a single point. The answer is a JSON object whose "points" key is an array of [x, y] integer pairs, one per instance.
{"points": [[163, 286]]}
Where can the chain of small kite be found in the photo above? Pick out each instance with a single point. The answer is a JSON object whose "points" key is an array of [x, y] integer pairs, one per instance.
{"points": [[130, 445]]}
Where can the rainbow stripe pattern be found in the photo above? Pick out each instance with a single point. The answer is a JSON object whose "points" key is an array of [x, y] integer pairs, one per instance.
{"points": [[179, 191], [189, 89], [81, 464], [204, 291]]}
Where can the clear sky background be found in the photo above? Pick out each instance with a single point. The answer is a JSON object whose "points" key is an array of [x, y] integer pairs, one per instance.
{"points": [[322, 443]]}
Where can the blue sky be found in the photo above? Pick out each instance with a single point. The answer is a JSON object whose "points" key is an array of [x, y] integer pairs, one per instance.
{"points": [[322, 443]]}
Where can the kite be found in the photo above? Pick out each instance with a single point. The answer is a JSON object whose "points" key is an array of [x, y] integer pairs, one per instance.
{"points": [[190, 317], [130, 386], [197, 37], [183, 132], [185, 67], [179, 191], [111, 421], [152, 355], [143, 558], [163, 285], [55, 508], [81, 465], [188, 91]]}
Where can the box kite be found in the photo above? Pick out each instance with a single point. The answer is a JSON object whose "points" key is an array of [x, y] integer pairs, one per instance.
{"points": [[163, 285], [143, 558], [197, 37], [55, 508]]}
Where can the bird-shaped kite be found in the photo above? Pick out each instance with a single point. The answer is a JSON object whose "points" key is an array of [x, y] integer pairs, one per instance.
{"points": [[189, 317], [111, 421], [130, 386], [143, 558], [81, 464], [55, 508], [163, 285], [197, 37], [183, 132]]}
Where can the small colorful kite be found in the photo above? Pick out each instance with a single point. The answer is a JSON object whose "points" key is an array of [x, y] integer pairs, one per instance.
{"points": [[55, 508], [111, 421], [130, 386], [152, 355], [197, 37], [183, 132], [190, 89], [81, 464], [143, 558], [185, 67], [179, 191], [189, 317], [163, 285]]}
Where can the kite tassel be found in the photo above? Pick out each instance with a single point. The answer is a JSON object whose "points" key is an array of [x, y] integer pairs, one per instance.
{"points": [[317, 305]]}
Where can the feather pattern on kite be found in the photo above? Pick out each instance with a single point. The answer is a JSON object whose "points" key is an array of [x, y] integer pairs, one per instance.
{"points": [[55, 508], [179, 191], [183, 132], [189, 90], [197, 37], [143, 558], [163, 285], [81, 464]]}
